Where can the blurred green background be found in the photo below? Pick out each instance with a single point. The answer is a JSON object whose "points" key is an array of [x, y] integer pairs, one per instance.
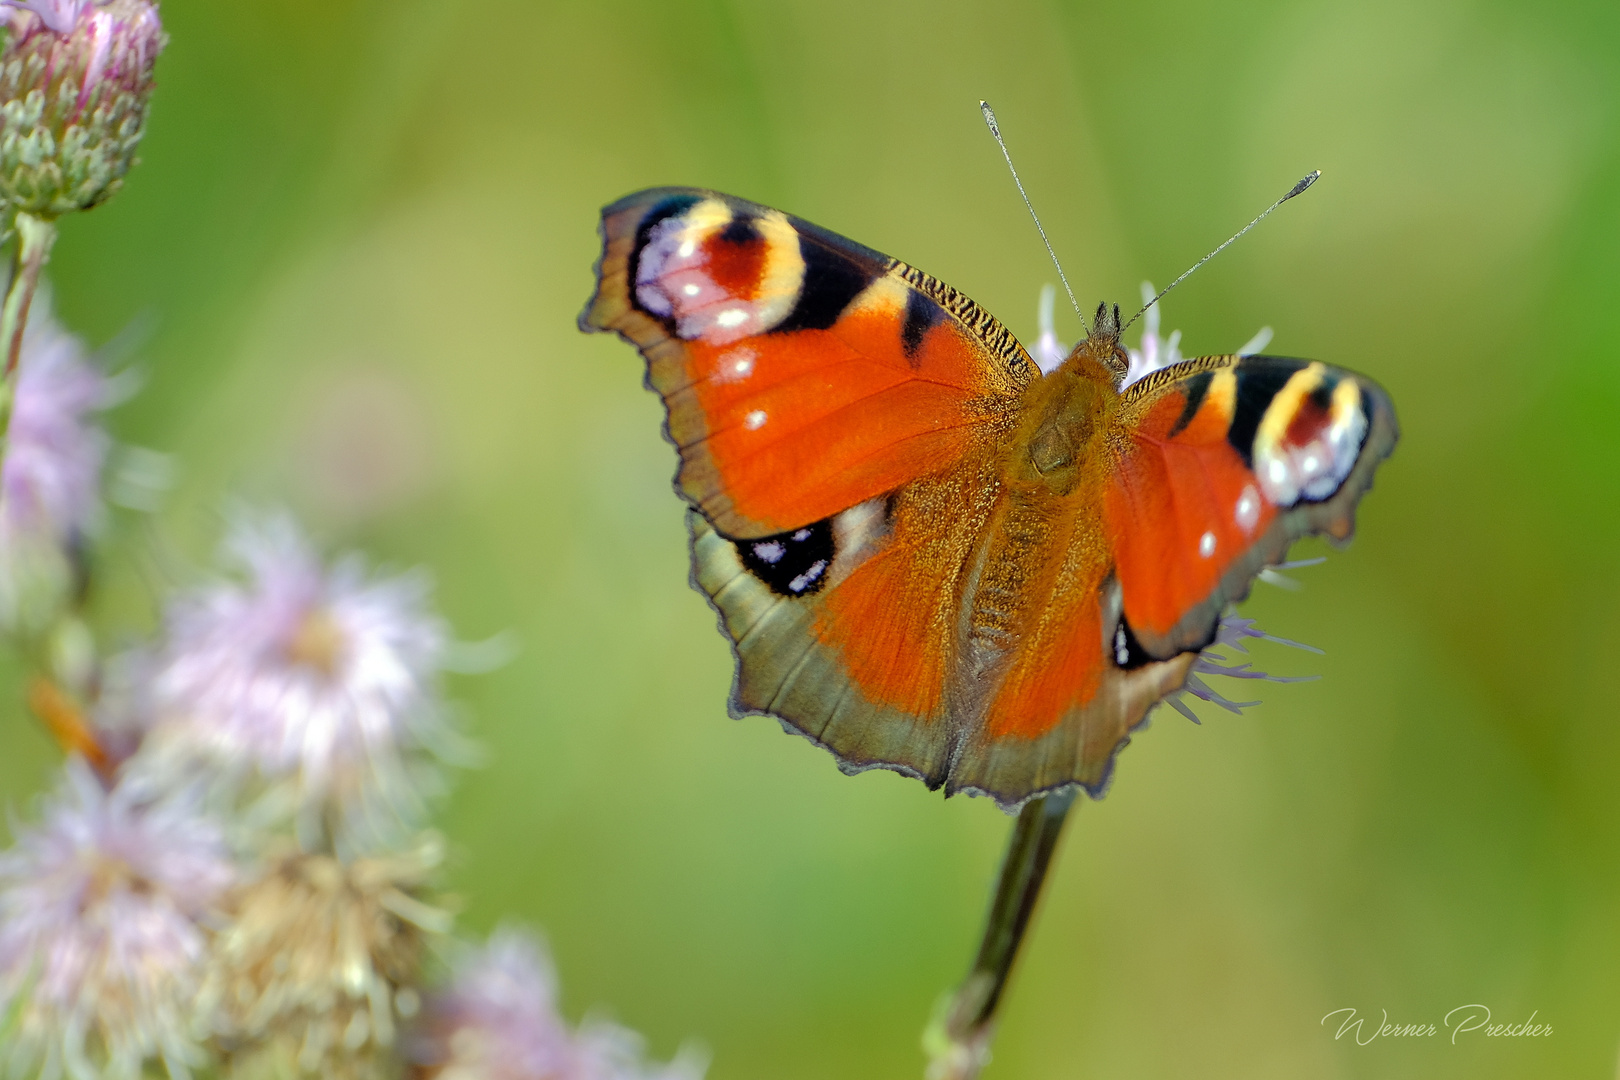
{"points": [[362, 232]]}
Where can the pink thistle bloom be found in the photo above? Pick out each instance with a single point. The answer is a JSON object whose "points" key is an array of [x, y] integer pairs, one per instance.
{"points": [[1154, 352], [1232, 633], [498, 1020], [54, 448], [50, 482], [313, 685], [59, 16], [101, 951], [1049, 353]]}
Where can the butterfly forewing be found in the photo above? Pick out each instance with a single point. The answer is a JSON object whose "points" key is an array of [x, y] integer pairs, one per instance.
{"points": [[803, 373], [1224, 461]]}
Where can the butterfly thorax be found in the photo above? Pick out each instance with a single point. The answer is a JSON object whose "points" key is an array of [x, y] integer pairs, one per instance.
{"points": [[1066, 411]]}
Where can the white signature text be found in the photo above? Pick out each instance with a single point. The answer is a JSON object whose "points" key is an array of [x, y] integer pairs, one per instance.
{"points": [[1459, 1021]]}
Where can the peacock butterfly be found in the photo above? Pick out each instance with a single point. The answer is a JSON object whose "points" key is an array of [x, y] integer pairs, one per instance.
{"points": [[927, 555]]}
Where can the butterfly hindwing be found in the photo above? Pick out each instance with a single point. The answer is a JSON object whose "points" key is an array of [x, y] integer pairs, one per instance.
{"points": [[803, 373], [864, 658]]}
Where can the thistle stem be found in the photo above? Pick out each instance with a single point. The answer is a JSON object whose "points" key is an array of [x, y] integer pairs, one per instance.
{"points": [[958, 1040], [35, 236], [68, 723]]}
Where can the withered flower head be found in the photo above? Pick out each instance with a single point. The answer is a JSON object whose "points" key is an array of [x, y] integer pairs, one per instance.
{"points": [[316, 966]]}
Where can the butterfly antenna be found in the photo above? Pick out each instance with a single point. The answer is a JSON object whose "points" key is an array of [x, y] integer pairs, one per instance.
{"points": [[990, 119], [1297, 189]]}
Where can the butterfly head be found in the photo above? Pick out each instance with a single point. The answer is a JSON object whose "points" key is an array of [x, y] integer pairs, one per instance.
{"points": [[1102, 344]]}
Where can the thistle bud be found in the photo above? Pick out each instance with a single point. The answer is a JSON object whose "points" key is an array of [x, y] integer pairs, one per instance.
{"points": [[75, 78]]}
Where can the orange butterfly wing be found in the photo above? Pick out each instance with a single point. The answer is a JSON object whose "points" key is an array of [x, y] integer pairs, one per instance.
{"points": [[835, 411], [1228, 460], [802, 373]]}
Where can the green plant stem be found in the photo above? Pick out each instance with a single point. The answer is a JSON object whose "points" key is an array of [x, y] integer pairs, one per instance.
{"points": [[35, 236], [958, 1040]]}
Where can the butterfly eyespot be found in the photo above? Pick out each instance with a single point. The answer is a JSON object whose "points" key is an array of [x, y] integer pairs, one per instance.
{"points": [[714, 273], [1305, 430], [793, 563], [1128, 652]]}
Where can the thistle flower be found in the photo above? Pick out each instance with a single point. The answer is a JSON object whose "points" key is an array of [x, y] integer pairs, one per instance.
{"points": [[1153, 353], [1049, 353], [55, 450], [101, 950], [314, 970], [75, 79], [311, 689], [49, 483], [1232, 633], [498, 1020], [59, 16]]}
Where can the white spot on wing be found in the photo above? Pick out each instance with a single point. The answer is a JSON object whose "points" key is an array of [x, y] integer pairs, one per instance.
{"points": [[802, 535], [731, 318], [754, 420], [691, 288], [771, 551], [809, 577], [735, 364], [1206, 545], [1247, 515]]}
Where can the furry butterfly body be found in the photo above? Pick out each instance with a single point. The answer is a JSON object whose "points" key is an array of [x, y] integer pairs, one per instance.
{"points": [[928, 556]]}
